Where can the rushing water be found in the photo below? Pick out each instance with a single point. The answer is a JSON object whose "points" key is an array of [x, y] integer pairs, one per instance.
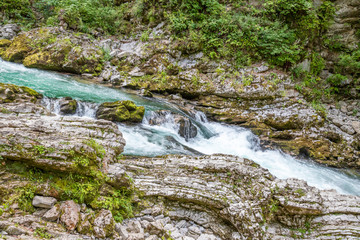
{"points": [[147, 140]]}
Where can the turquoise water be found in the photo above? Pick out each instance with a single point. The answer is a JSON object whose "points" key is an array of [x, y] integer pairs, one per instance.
{"points": [[147, 140], [56, 85]]}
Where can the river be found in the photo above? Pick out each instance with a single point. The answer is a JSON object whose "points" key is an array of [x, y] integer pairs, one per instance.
{"points": [[147, 140]]}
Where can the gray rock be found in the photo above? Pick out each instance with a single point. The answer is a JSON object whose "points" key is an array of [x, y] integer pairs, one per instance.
{"points": [[43, 202], [136, 72], [356, 126], [152, 237], [121, 230], [67, 106], [262, 68], [189, 194], [206, 237], [106, 74], [15, 230], [53, 214], [70, 214], [104, 224], [9, 31], [305, 65]]}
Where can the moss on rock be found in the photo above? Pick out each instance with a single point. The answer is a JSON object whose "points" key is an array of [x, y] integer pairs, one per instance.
{"points": [[121, 111], [18, 49], [5, 42], [42, 60], [11, 93]]}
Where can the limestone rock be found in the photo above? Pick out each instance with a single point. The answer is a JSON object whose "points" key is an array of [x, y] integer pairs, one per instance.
{"points": [[14, 230], [65, 53], [43, 202], [104, 224], [70, 212], [52, 142], [356, 126], [18, 49], [9, 31], [121, 111], [257, 205], [67, 106], [53, 214]]}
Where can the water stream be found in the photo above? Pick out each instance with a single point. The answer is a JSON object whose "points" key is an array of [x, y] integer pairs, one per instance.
{"points": [[148, 140]]}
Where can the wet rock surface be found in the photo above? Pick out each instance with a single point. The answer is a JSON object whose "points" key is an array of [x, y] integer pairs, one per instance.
{"points": [[53, 142], [256, 97], [179, 197], [121, 111], [67, 106], [184, 125]]}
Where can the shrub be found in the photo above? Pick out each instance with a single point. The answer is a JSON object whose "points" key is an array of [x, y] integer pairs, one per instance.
{"points": [[18, 10], [350, 63]]}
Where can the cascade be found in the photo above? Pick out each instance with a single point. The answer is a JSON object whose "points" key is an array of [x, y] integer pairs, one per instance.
{"points": [[148, 139]]}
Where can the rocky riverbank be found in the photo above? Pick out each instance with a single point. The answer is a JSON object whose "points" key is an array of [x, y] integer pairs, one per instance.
{"points": [[257, 97], [48, 163]]}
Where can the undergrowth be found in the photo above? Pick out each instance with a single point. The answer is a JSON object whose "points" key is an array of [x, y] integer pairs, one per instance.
{"points": [[68, 186]]}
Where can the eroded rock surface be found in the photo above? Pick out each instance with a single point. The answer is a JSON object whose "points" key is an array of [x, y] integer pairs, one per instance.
{"points": [[34, 136], [182, 197], [226, 197]]}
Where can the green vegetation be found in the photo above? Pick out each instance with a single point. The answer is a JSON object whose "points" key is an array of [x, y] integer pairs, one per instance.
{"points": [[281, 32], [42, 233], [231, 29], [93, 191]]}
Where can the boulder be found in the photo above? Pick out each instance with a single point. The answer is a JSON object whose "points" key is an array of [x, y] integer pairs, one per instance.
{"points": [[43, 202], [70, 212], [121, 111], [67, 106], [18, 49], [63, 51], [356, 126], [53, 214], [104, 224], [9, 31]]}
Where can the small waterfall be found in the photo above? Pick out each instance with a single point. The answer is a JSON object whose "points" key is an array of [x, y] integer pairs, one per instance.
{"points": [[86, 109], [52, 104], [83, 109], [201, 117]]}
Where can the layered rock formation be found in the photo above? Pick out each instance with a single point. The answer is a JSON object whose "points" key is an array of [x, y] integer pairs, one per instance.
{"points": [[50, 142], [226, 197], [257, 97], [48, 161]]}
